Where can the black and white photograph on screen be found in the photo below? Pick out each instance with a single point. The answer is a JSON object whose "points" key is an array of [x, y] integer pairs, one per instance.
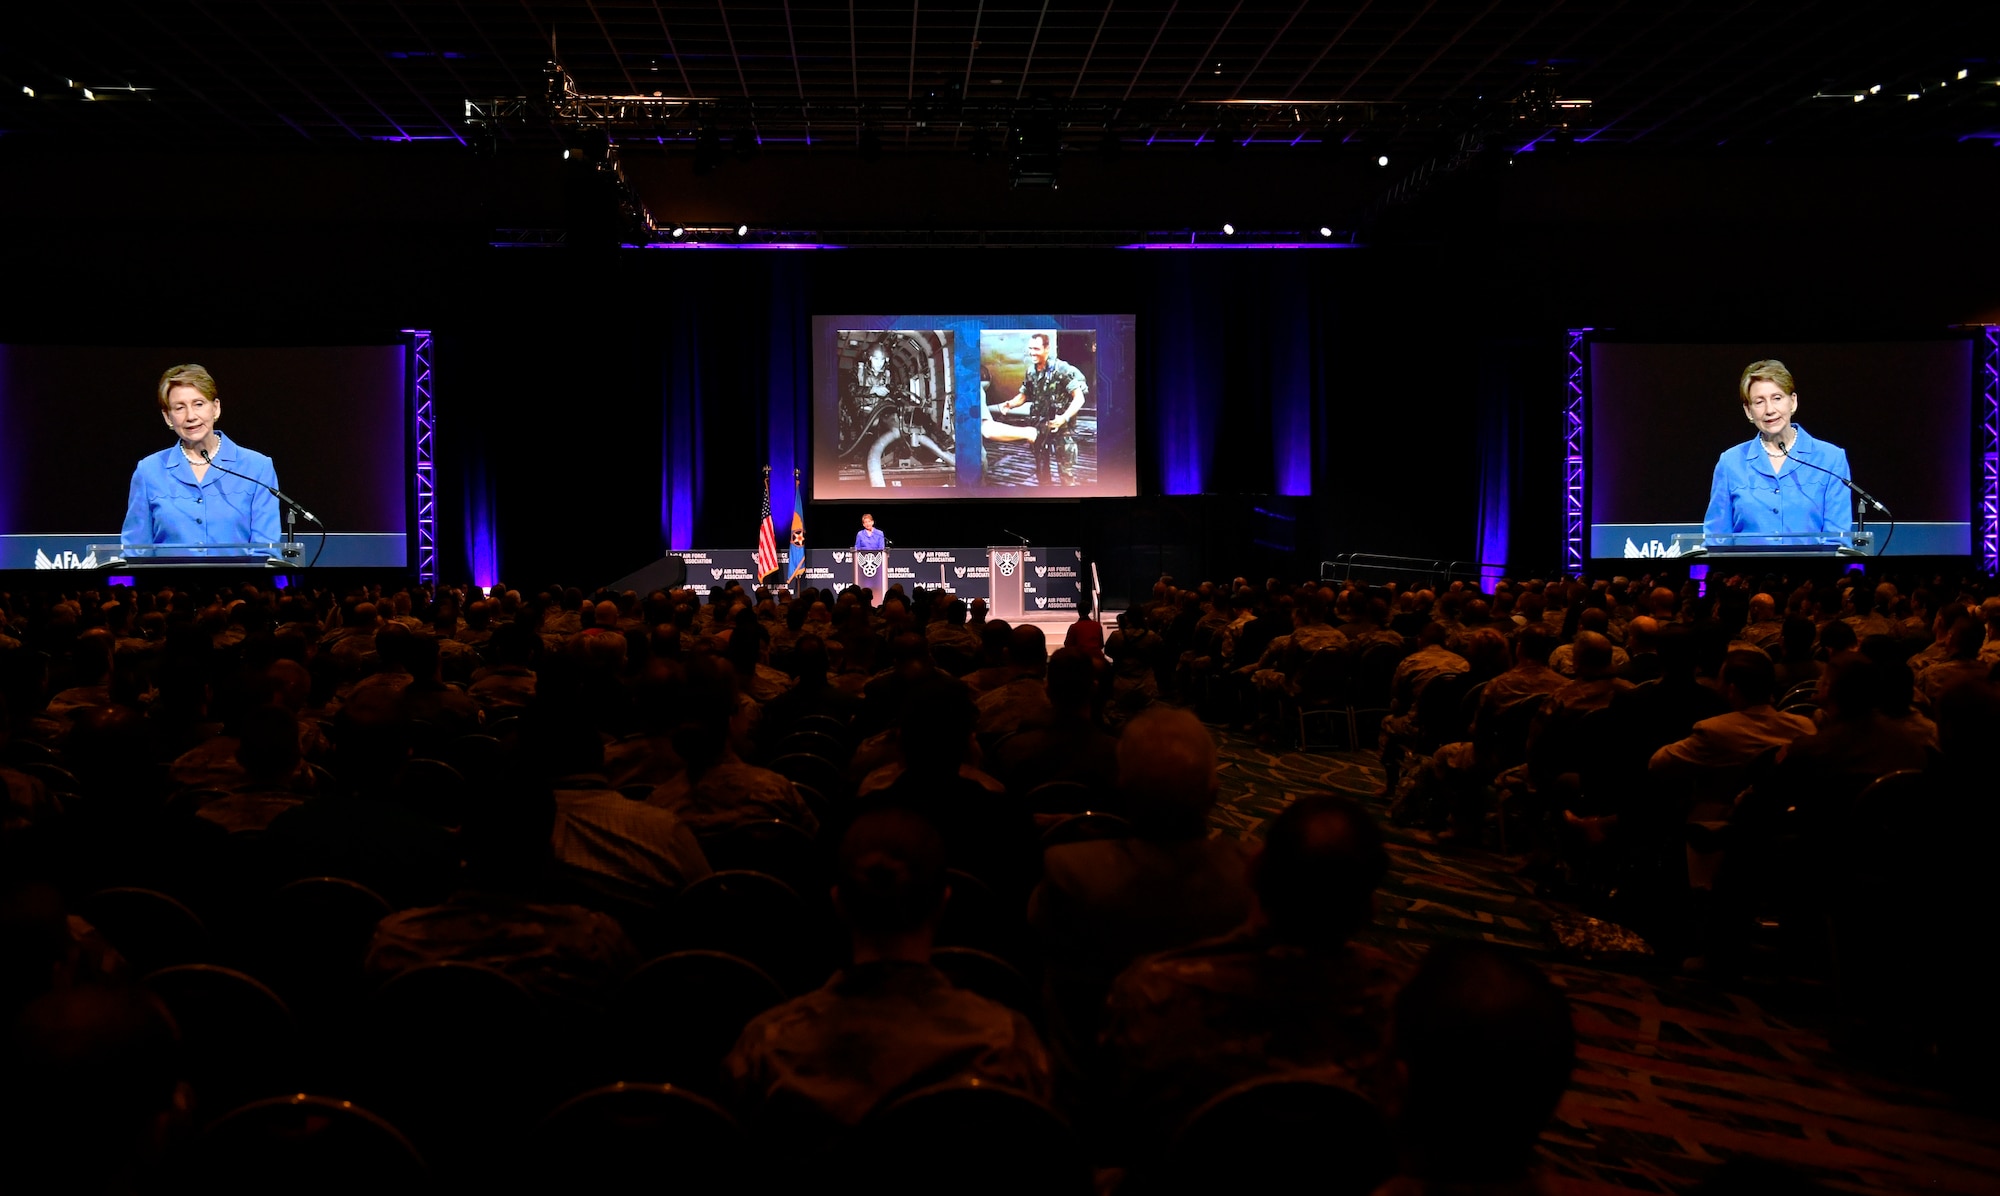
{"points": [[1038, 407], [896, 409]]}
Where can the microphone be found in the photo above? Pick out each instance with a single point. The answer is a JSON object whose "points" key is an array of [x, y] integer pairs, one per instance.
{"points": [[276, 493], [1017, 535], [1865, 497]]}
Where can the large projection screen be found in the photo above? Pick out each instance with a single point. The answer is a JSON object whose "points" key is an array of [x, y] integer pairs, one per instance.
{"points": [[956, 406]]}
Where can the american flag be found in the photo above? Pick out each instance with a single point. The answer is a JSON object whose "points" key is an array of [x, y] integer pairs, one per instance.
{"points": [[767, 536]]}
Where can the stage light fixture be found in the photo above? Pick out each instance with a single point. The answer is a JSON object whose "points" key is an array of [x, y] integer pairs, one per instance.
{"points": [[679, 231], [1858, 99], [1382, 161], [1324, 231], [565, 155], [1228, 230], [742, 230], [1875, 90], [1961, 74]]}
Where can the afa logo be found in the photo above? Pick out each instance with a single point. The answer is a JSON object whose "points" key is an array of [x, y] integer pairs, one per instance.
{"points": [[919, 557], [1041, 602], [1008, 564], [64, 559], [1652, 548], [1040, 571], [868, 567], [959, 570], [841, 558], [716, 574]]}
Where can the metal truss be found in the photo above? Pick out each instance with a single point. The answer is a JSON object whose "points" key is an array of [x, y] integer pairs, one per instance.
{"points": [[425, 478], [1989, 450], [1574, 409]]}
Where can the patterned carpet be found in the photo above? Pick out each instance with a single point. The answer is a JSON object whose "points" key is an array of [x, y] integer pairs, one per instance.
{"points": [[1675, 1076]]}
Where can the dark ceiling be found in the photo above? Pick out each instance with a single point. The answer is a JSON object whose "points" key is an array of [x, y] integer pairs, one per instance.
{"points": [[925, 76]]}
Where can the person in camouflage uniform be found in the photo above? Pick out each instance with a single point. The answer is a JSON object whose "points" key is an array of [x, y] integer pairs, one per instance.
{"points": [[887, 1024], [1053, 391], [1287, 992]]}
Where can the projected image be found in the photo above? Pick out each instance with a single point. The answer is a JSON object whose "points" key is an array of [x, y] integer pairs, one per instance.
{"points": [[1777, 447], [167, 454], [896, 404], [1021, 406], [1037, 408]]}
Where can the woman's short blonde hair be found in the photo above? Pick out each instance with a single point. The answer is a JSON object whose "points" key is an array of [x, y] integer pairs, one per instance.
{"points": [[201, 380], [1771, 370]]}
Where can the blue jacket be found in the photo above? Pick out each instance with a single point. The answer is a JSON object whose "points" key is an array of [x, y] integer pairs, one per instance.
{"points": [[166, 506], [1745, 498], [869, 538]]}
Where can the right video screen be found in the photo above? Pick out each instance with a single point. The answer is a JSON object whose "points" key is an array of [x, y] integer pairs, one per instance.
{"points": [[1674, 447], [957, 406]]}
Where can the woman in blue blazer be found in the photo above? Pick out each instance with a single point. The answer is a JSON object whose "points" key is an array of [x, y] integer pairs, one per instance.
{"points": [[179, 497], [1767, 485]]}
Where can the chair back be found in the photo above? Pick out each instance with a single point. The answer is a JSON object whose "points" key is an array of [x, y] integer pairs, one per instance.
{"points": [[1802, 692], [990, 976], [1503, 739], [309, 1144], [1086, 827], [435, 789], [150, 929], [827, 747], [803, 769], [478, 757], [967, 1136], [825, 724], [773, 847], [644, 1135], [54, 776], [1438, 707], [1374, 672], [1061, 797], [1301, 1127], [315, 936], [1326, 676], [675, 1018], [238, 1034], [974, 915], [756, 917]]}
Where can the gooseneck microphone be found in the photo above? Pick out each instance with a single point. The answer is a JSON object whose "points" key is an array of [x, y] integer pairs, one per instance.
{"points": [[1017, 535], [292, 505], [1867, 499], [276, 493]]}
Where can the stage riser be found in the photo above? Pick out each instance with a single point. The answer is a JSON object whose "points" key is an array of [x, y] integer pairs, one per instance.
{"points": [[1058, 579]]}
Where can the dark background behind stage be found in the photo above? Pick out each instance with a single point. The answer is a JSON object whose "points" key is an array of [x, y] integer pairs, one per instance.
{"points": [[596, 406], [79, 418], [1662, 413]]}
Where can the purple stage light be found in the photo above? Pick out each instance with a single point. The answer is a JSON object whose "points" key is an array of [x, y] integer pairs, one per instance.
{"points": [[1989, 451], [1243, 245], [132, 583], [280, 582], [425, 477], [1574, 414]]}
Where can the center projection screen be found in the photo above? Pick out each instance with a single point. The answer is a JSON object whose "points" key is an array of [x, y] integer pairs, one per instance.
{"points": [[1022, 406]]}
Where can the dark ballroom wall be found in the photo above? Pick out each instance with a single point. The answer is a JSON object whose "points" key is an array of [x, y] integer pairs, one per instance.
{"points": [[603, 403]]}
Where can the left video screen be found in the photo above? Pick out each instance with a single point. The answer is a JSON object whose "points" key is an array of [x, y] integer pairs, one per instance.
{"points": [[100, 458]]}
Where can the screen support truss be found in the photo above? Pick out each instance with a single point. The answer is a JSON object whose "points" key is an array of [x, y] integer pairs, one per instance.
{"points": [[1989, 450], [425, 479], [1573, 470]]}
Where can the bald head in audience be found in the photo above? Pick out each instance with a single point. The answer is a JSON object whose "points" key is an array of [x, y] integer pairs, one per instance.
{"points": [[1166, 765]]}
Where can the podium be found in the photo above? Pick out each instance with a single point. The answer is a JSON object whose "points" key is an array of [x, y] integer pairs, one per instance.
{"points": [[1006, 569], [268, 555], [871, 571], [1789, 545]]}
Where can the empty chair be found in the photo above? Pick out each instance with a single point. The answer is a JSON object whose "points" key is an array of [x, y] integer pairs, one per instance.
{"points": [[770, 846], [1060, 797], [150, 929], [1084, 827], [967, 1136], [758, 918], [313, 937], [675, 1018], [990, 976], [654, 1135], [307, 1144], [1324, 681], [1308, 1134], [238, 1034], [803, 769]]}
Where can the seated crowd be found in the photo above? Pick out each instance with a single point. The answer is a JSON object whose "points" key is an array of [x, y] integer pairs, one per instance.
{"points": [[494, 866]]}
